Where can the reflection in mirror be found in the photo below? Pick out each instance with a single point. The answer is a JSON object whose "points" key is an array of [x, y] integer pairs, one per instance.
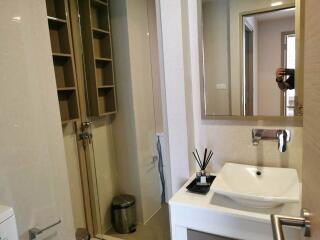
{"points": [[249, 62], [269, 63]]}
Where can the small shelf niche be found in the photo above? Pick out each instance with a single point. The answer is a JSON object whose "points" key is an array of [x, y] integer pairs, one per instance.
{"points": [[56, 9], [100, 15], [106, 100], [104, 73], [64, 72], [59, 38], [101, 45], [68, 105]]}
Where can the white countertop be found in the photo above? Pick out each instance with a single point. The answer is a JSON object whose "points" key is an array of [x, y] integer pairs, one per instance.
{"points": [[218, 203]]}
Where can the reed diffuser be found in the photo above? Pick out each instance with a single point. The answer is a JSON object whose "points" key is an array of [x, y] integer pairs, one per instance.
{"points": [[202, 175]]}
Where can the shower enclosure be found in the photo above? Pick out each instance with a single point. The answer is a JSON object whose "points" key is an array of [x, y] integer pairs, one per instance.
{"points": [[112, 149]]}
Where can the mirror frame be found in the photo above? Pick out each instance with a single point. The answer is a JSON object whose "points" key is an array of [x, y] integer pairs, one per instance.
{"points": [[299, 29]]}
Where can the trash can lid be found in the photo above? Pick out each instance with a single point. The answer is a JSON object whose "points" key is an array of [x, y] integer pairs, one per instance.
{"points": [[123, 201]]}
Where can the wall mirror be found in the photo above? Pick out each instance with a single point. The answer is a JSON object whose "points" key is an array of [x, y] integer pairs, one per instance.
{"points": [[250, 53]]}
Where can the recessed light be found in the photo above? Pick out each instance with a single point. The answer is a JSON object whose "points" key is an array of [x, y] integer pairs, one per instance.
{"points": [[16, 19], [274, 4]]}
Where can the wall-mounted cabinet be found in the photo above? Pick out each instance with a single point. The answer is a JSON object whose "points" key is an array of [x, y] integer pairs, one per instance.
{"points": [[97, 46], [63, 59]]}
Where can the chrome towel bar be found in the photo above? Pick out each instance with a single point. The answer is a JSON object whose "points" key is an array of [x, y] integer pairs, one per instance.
{"points": [[34, 232]]}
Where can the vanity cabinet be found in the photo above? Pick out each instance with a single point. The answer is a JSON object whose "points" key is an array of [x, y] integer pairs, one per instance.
{"points": [[63, 59]]}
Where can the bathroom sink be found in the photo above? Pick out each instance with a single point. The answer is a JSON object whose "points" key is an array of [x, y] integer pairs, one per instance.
{"points": [[259, 187]]}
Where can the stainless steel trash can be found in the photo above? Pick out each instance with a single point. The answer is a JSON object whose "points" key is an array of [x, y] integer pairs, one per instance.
{"points": [[124, 218]]}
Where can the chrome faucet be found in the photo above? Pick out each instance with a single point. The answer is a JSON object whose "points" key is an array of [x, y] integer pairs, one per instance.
{"points": [[282, 136], [256, 136]]}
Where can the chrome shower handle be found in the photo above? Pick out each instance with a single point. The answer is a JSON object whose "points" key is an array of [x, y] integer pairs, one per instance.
{"points": [[34, 232], [282, 136], [278, 221]]}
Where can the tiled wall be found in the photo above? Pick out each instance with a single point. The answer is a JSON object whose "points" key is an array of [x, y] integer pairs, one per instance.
{"points": [[33, 175], [233, 143]]}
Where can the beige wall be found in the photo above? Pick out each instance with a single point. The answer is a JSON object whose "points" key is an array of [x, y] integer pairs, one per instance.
{"points": [[215, 15], [177, 92], [105, 169], [33, 172], [72, 160], [254, 24], [134, 125], [231, 142], [270, 47], [155, 64]]}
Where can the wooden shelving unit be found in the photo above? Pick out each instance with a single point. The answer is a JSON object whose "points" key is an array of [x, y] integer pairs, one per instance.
{"points": [[96, 34], [63, 59]]}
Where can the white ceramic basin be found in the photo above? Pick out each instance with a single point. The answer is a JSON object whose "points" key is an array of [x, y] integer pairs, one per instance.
{"points": [[275, 186]]}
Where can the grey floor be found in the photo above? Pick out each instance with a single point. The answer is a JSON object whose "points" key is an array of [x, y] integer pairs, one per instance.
{"points": [[157, 228]]}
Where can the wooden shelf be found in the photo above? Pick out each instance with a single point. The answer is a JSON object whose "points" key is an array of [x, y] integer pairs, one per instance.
{"points": [[99, 31], [96, 36], [99, 3], [105, 86], [61, 55], [56, 22], [66, 88], [63, 59], [100, 59]]}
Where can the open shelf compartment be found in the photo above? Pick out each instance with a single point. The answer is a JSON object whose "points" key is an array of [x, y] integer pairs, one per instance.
{"points": [[99, 15], [107, 101], [56, 9], [59, 37], [64, 72], [104, 73], [68, 105], [102, 46]]}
